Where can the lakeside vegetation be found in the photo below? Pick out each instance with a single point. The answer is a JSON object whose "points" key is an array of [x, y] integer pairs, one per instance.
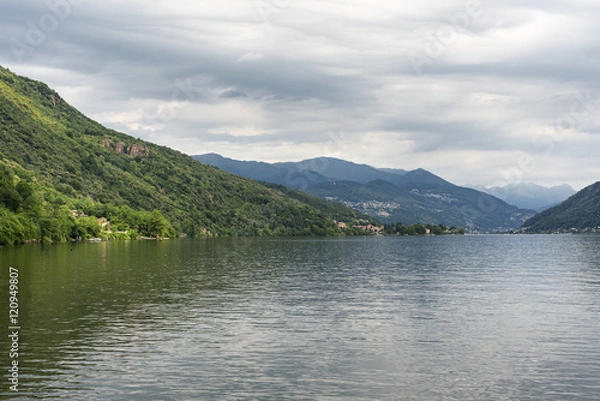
{"points": [[31, 213]]}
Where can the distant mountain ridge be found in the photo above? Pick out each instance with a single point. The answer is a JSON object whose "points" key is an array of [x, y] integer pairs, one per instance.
{"points": [[530, 196], [390, 195], [317, 170], [580, 212]]}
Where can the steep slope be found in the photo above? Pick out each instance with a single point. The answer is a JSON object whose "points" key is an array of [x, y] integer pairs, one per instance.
{"points": [[581, 212], [391, 195], [48, 143]]}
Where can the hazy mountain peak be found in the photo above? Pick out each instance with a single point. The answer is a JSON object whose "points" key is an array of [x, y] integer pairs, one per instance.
{"points": [[529, 195]]}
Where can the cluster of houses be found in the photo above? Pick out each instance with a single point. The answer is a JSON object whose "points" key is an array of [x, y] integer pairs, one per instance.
{"points": [[365, 227], [102, 222]]}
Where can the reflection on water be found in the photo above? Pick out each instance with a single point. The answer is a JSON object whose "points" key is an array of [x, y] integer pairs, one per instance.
{"points": [[428, 318]]}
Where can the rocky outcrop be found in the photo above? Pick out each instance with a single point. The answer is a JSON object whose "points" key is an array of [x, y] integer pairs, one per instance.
{"points": [[121, 148], [136, 150], [55, 100]]}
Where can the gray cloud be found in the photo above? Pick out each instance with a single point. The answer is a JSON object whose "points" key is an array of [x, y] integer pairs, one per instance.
{"points": [[298, 80], [233, 93]]}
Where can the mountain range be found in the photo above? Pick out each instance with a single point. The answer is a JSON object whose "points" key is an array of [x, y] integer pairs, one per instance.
{"points": [[57, 166], [391, 195]]}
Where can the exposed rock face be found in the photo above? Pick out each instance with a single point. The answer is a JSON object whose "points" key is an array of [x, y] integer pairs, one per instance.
{"points": [[135, 150], [55, 100], [120, 148]]}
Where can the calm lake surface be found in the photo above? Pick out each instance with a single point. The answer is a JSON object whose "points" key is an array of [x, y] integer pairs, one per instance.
{"points": [[375, 318]]}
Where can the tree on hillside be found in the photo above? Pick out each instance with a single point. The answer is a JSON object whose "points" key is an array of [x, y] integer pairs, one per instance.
{"points": [[158, 225]]}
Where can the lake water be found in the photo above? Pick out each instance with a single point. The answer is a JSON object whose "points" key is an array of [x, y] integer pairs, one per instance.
{"points": [[373, 318]]}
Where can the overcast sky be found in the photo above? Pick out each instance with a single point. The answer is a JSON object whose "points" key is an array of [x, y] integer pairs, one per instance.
{"points": [[478, 92]]}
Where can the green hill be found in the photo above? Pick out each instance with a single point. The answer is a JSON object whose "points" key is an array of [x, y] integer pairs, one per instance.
{"points": [[56, 165], [580, 212]]}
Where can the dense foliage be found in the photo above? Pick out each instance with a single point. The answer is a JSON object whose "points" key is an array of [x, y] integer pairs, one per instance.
{"points": [[581, 213], [64, 158], [32, 213]]}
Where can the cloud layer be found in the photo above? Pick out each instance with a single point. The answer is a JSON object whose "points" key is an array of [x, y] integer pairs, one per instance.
{"points": [[478, 92]]}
